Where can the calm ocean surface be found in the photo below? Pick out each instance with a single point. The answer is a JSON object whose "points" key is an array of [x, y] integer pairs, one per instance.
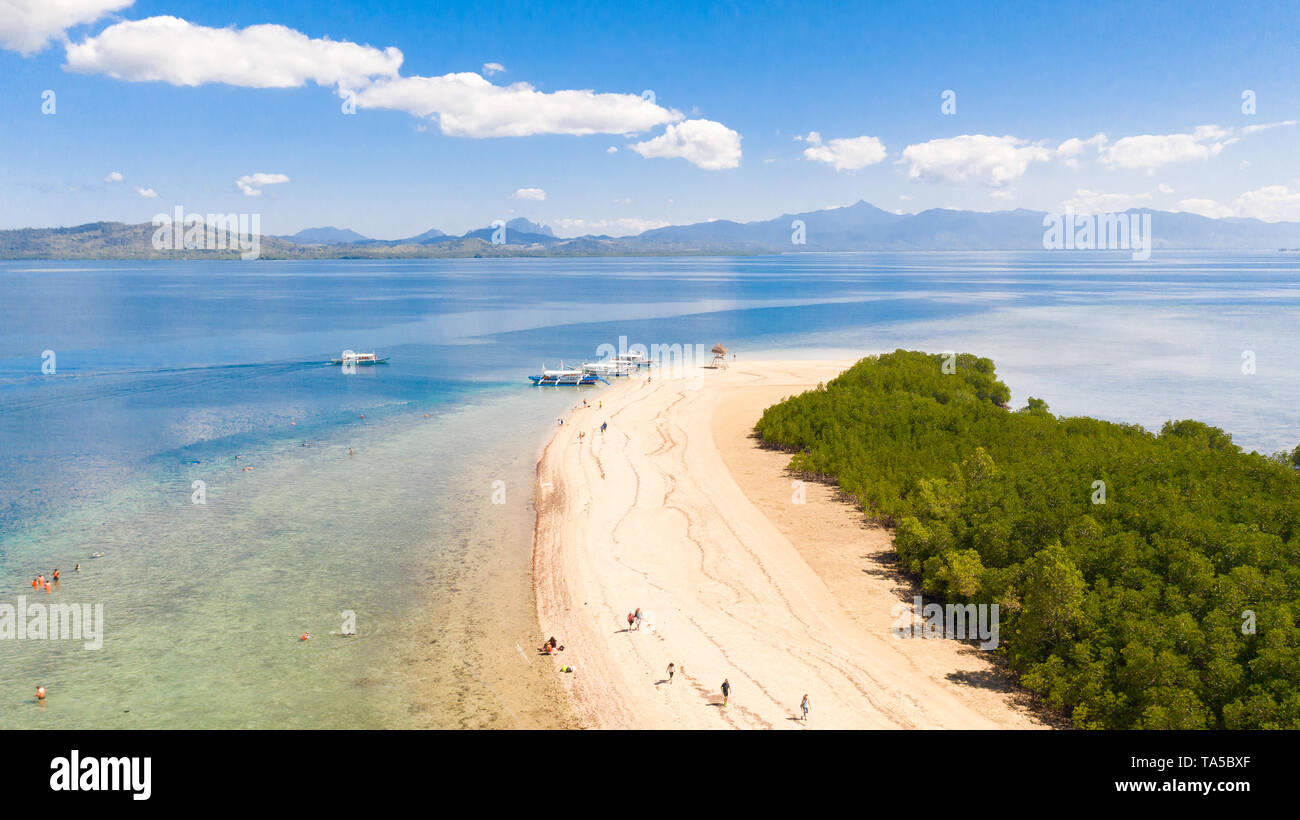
{"points": [[172, 373]]}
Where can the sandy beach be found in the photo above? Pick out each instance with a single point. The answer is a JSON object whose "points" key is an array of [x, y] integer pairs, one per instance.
{"points": [[676, 510]]}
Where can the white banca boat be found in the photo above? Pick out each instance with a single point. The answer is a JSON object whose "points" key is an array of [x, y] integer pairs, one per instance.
{"points": [[609, 367], [359, 358], [565, 377]]}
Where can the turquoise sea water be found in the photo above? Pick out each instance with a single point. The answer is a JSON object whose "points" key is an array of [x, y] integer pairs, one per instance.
{"points": [[171, 373]]}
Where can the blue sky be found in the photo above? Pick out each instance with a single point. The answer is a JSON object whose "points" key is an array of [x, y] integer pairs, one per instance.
{"points": [[738, 93]]}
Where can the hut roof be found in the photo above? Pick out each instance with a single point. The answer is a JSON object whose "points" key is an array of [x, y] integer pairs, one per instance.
{"points": [[719, 349]]}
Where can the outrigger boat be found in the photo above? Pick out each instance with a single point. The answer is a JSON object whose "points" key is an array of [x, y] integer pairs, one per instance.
{"points": [[636, 359], [608, 367], [359, 358], [565, 377]]}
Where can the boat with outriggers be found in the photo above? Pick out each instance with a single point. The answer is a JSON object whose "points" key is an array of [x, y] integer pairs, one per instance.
{"points": [[351, 358], [609, 367], [565, 377], [634, 358]]}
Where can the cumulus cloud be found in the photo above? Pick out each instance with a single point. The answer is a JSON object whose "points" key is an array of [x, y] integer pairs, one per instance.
{"points": [[844, 154], [536, 194], [1272, 203], [1149, 151], [1091, 202], [172, 50], [1164, 189], [1070, 150], [467, 105], [993, 161], [613, 149], [251, 184], [705, 143], [147, 193], [113, 176], [26, 26]]}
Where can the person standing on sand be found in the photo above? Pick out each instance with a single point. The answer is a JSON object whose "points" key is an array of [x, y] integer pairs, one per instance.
{"points": [[671, 670], [805, 707], [638, 617], [630, 619], [726, 690]]}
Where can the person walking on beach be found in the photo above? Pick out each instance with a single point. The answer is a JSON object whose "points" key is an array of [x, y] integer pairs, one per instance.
{"points": [[630, 619], [603, 425], [638, 617], [805, 707], [726, 690], [671, 670]]}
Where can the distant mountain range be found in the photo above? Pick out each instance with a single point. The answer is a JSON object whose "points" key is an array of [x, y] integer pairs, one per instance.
{"points": [[858, 227]]}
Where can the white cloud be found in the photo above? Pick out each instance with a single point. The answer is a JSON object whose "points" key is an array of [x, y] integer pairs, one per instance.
{"points": [[171, 50], [467, 105], [613, 149], [1164, 189], [113, 176], [1091, 202], [1149, 151], [1003, 195], [844, 154], [628, 226], [251, 184], [705, 143], [27, 25], [1255, 129], [147, 193], [993, 161], [1070, 150], [536, 194], [1272, 203]]}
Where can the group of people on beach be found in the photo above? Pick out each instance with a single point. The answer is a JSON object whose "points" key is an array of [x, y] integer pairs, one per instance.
{"points": [[582, 434], [634, 623]]}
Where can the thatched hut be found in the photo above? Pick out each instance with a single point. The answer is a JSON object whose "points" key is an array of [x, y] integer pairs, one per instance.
{"points": [[719, 356]]}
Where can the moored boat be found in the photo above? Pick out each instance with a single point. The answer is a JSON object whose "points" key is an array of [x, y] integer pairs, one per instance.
{"points": [[565, 377], [359, 358], [608, 367]]}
